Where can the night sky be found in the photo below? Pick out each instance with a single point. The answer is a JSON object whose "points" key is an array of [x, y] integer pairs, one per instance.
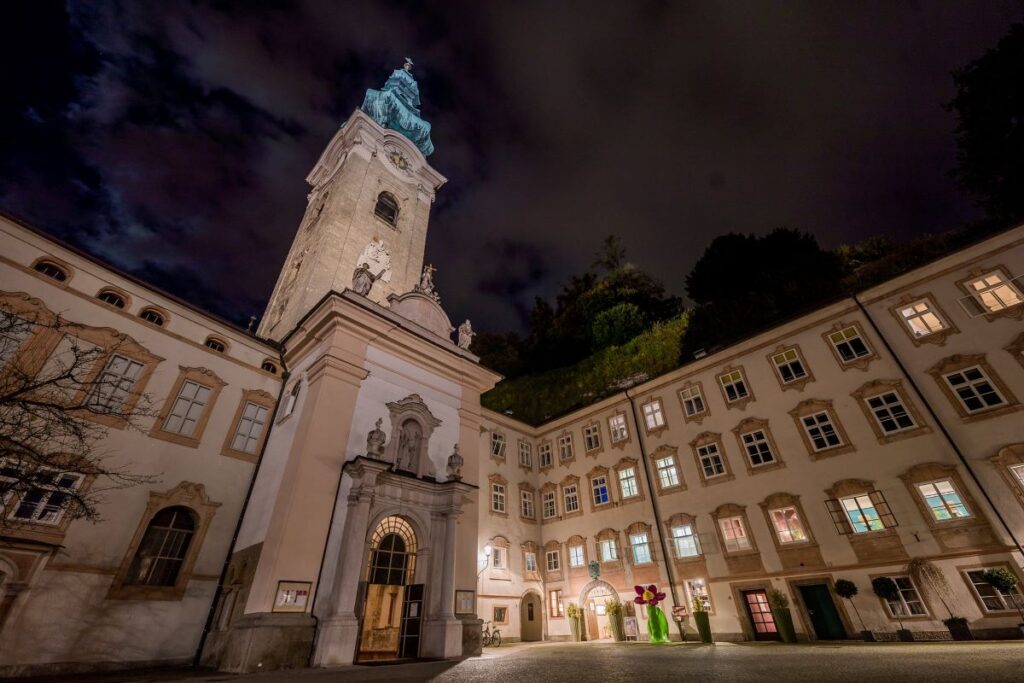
{"points": [[173, 139]]}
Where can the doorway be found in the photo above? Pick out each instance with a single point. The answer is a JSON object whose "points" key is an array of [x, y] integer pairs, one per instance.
{"points": [[821, 610], [393, 605], [760, 613], [530, 618], [598, 626]]}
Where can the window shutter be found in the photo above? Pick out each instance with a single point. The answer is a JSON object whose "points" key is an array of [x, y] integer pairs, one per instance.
{"points": [[707, 542], [839, 518], [882, 508], [971, 306]]}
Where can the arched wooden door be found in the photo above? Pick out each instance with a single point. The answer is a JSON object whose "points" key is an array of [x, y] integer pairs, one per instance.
{"points": [[530, 618]]}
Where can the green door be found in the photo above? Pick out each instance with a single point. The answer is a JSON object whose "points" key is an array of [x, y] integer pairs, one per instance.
{"points": [[822, 611]]}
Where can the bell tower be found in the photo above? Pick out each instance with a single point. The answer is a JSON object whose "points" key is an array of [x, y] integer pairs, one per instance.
{"points": [[372, 189]]}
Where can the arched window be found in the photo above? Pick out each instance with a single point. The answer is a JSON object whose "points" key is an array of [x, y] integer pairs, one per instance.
{"points": [[216, 344], [392, 553], [387, 208], [269, 366], [164, 546], [51, 269], [153, 316], [111, 297]]}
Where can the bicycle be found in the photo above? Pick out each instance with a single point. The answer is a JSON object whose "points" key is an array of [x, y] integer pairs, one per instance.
{"points": [[489, 637]]}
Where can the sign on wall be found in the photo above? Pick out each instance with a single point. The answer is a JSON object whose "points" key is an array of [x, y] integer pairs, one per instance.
{"points": [[465, 602], [630, 627], [292, 596]]}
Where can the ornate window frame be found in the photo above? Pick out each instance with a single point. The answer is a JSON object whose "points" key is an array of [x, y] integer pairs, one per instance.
{"points": [[577, 541], [202, 376], [861, 363], [261, 398], [880, 545], [624, 463], [739, 403], [525, 487], [705, 439], [654, 431], [566, 437], [642, 527], [609, 534], [1016, 349], [795, 555], [528, 466], [545, 444], [503, 573], [592, 452], [957, 362], [492, 481], [813, 406], [877, 387], [531, 547], [1006, 458], [747, 560], [795, 384], [571, 480], [696, 417], [113, 343], [548, 487], [985, 611], [976, 273], [610, 484], [950, 534], [553, 574], [937, 338], [497, 436], [666, 451], [683, 519], [754, 424], [621, 443]]}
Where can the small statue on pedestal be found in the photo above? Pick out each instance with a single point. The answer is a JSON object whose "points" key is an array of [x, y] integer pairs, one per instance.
{"points": [[362, 280], [375, 442], [466, 335], [455, 464]]}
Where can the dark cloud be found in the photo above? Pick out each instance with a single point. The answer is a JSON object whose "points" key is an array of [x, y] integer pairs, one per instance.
{"points": [[173, 139]]}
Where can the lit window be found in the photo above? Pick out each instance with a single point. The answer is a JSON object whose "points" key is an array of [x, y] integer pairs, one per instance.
{"points": [[112, 298], [152, 316], [863, 515], [609, 551], [994, 293], [617, 428], [163, 549], [544, 452], [735, 534], [788, 525], [974, 390], [250, 428], [386, 208], [497, 445], [698, 590], [849, 344], [498, 497], [530, 562], [821, 431], [591, 437], [216, 344], [641, 548], [668, 475], [14, 331], [654, 417], [114, 384], [711, 462], [758, 448], [47, 496], [524, 454], [627, 482], [693, 401], [890, 413], [552, 560], [599, 487], [548, 501], [526, 504], [556, 606], [187, 409], [565, 447], [922, 319], [908, 603], [51, 270], [269, 366], [576, 557], [991, 597], [734, 385], [789, 366], [943, 500], [685, 540], [498, 558], [571, 498]]}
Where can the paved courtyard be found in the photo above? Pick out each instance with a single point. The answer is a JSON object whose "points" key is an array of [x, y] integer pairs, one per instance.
{"points": [[541, 663]]}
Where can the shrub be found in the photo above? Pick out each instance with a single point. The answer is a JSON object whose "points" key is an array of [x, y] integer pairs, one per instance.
{"points": [[617, 325], [777, 599], [613, 607], [846, 589]]}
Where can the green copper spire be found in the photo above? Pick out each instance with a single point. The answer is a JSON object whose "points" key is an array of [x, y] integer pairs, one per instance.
{"points": [[397, 106]]}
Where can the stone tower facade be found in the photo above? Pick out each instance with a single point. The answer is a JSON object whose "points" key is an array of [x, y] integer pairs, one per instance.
{"points": [[372, 190]]}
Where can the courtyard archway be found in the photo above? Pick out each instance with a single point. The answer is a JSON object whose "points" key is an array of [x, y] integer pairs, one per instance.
{"points": [[592, 602]]}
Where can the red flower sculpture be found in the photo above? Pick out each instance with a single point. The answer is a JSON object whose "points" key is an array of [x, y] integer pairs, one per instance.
{"points": [[648, 596]]}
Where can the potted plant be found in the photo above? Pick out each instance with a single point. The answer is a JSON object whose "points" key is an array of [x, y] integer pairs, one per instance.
{"points": [[885, 588], [1005, 581], [613, 608], [575, 615], [928, 576], [779, 602], [702, 620], [848, 589]]}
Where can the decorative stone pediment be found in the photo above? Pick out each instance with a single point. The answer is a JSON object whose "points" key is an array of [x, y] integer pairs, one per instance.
{"points": [[423, 310], [412, 423]]}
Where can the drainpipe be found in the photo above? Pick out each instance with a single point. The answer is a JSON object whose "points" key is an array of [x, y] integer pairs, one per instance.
{"points": [[942, 428], [669, 569]]}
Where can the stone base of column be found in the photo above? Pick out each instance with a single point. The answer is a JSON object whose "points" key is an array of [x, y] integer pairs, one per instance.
{"points": [[336, 643], [472, 636], [262, 642], [442, 638]]}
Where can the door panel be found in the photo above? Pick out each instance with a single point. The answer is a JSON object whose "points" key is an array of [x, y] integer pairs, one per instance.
{"points": [[822, 611], [760, 613], [412, 613], [529, 618]]}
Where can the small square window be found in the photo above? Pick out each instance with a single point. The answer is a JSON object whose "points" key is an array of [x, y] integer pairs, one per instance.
{"points": [[668, 475], [711, 463], [849, 344], [821, 431], [734, 385], [617, 428], [908, 603], [994, 292], [993, 599], [654, 416], [591, 437], [922, 319], [627, 482], [758, 448], [862, 514], [972, 388], [500, 614], [890, 413], [693, 401], [789, 365]]}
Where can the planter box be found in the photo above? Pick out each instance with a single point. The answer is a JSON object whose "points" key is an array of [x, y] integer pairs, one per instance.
{"points": [[960, 631], [868, 637], [784, 622], [703, 622]]}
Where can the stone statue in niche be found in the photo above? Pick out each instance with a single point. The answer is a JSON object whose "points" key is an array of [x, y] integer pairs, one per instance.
{"points": [[377, 260], [466, 334], [455, 461], [409, 440], [375, 441], [362, 280]]}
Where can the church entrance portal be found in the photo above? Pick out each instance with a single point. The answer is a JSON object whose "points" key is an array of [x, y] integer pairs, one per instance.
{"points": [[393, 605]]}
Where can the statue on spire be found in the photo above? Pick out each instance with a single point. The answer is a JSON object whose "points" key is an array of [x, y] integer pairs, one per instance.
{"points": [[397, 106]]}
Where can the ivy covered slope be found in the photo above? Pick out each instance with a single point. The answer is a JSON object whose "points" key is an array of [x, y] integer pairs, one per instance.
{"points": [[541, 396]]}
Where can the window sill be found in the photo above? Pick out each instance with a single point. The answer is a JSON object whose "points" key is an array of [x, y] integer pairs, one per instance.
{"points": [[884, 438], [720, 479], [993, 412], [187, 441], [831, 452]]}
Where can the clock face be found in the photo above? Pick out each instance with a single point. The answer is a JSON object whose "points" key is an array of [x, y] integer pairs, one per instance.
{"points": [[396, 157]]}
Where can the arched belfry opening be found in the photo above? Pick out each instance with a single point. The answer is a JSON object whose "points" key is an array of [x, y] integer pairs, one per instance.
{"points": [[393, 605]]}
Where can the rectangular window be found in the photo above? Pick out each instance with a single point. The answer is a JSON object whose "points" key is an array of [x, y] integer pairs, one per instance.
{"points": [[921, 319], [943, 500], [114, 384], [552, 560], [498, 558], [735, 534], [974, 390], [698, 590], [890, 413], [599, 486], [654, 416], [849, 344], [526, 504], [592, 437], [609, 551], [668, 476], [556, 606], [992, 598], [789, 366], [862, 514], [498, 445], [498, 497], [788, 525], [908, 603], [759, 449], [250, 428], [617, 428], [711, 462], [188, 408], [544, 452], [530, 561], [14, 331], [693, 401], [576, 557], [641, 548], [734, 385], [994, 293], [500, 614], [46, 498], [627, 482], [821, 431], [565, 447], [685, 540], [1018, 471], [524, 454], [571, 498], [548, 500]]}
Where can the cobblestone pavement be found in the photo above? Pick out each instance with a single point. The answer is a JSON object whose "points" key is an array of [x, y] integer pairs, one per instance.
{"points": [[722, 663]]}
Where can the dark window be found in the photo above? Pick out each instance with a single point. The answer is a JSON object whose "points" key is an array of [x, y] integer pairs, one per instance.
{"points": [[268, 366], [151, 316], [163, 549], [215, 344], [387, 208], [112, 298], [51, 270]]}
